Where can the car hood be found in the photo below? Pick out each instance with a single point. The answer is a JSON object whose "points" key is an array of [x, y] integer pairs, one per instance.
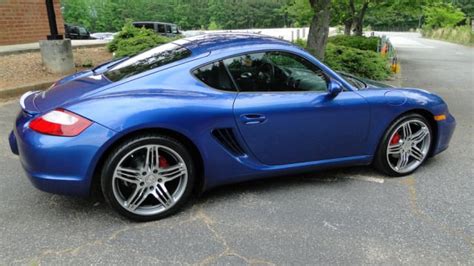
{"points": [[372, 84], [67, 89]]}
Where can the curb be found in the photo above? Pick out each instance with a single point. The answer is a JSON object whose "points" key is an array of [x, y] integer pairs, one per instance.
{"points": [[17, 91], [37, 49]]}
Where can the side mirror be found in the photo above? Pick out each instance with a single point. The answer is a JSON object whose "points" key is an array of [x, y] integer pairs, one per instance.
{"points": [[334, 88]]}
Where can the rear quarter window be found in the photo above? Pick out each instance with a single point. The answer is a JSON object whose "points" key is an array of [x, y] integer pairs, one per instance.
{"points": [[156, 57], [215, 75]]}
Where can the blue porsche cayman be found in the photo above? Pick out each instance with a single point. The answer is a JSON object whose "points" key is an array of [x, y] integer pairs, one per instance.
{"points": [[184, 117]]}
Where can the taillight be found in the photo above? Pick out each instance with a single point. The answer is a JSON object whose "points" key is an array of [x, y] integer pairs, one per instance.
{"points": [[60, 122]]}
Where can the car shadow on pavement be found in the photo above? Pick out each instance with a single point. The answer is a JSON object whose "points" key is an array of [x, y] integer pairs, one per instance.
{"points": [[330, 177], [96, 206]]}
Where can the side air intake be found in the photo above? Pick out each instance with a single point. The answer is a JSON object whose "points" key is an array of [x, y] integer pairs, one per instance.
{"points": [[227, 138]]}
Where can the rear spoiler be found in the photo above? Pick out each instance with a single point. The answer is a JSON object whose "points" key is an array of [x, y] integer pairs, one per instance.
{"points": [[27, 104]]}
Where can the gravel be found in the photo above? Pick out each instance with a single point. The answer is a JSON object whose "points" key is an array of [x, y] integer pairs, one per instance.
{"points": [[26, 68]]}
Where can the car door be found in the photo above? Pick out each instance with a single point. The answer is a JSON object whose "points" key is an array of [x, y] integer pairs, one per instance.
{"points": [[285, 115]]}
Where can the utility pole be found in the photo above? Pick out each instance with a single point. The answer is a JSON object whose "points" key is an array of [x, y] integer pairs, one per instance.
{"points": [[56, 52], [53, 27]]}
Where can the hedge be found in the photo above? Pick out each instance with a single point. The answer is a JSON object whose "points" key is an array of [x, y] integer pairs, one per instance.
{"points": [[366, 64], [359, 42], [132, 40]]}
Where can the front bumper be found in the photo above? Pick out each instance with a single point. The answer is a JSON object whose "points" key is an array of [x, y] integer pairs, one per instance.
{"points": [[445, 132], [60, 165]]}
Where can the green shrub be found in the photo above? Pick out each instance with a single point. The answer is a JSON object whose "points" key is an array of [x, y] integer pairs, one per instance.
{"points": [[366, 64], [359, 42], [300, 42], [132, 40], [362, 63]]}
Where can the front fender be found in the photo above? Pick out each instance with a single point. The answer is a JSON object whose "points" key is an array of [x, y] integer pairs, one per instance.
{"points": [[389, 104]]}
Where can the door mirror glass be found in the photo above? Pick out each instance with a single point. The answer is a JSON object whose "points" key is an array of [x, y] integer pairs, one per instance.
{"points": [[334, 88]]}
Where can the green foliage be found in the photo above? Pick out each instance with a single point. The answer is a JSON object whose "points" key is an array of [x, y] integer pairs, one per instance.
{"points": [[367, 64], [87, 63], [300, 42], [341, 9], [213, 26], [300, 12], [461, 35], [359, 42], [362, 63], [132, 40], [398, 15], [466, 6], [441, 15], [110, 15]]}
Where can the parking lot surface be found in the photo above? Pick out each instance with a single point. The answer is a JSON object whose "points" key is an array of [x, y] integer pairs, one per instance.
{"points": [[345, 216]]}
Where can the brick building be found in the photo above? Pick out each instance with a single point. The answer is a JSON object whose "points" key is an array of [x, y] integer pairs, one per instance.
{"points": [[26, 21]]}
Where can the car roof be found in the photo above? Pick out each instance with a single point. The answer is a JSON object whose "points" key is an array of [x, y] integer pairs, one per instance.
{"points": [[217, 41], [152, 22]]}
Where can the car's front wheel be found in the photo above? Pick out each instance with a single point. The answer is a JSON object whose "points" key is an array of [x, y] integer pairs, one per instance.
{"points": [[148, 177], [405, 145]]}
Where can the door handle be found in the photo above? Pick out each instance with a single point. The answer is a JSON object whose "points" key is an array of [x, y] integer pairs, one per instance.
{"points": [[252, 119]]}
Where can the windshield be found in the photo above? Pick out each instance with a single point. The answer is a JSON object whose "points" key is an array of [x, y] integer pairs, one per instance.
{"points": [[156, 57], [82, 31]]}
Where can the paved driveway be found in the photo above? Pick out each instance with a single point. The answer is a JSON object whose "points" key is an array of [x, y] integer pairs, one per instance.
{"points": [[348, 216]]}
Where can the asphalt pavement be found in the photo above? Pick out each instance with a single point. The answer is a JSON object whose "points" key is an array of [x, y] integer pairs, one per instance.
{"points": [[346, 216]]}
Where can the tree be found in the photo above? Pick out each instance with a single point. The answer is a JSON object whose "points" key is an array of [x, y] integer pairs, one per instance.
{"points": [[319, 28], [342, 14], [442, 15], [466, 6], [399, 15], [300, 12], [358, 16], [110, 15]]}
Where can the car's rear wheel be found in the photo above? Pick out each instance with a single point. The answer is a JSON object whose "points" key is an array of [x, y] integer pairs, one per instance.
{"points": [[405, 145], [148, 177]]}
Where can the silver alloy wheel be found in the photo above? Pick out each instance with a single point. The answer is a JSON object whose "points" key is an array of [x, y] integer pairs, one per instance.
{"points": [[144, 187], [408, 146]]}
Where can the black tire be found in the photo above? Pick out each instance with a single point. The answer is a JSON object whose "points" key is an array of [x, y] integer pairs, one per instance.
{"points": [[122, 150], [380, 161]]}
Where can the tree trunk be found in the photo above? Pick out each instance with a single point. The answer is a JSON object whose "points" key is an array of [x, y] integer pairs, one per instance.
{"points": [[359, 20], [349, 23], [358, 27], [319, 29], [348, 26]]}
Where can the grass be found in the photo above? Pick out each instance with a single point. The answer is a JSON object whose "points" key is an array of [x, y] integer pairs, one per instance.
{"points": [[461, 35]]}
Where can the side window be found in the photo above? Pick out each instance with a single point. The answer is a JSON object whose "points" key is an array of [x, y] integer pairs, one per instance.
{"points": [[215, 75], [174, 29], [245, 70], [168, 28], [149, 26], [82, 31], [161, 28], [276, 71]]}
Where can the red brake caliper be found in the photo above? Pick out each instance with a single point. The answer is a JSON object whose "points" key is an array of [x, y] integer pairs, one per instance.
{"points": [[163, 162], [395, 139]]}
